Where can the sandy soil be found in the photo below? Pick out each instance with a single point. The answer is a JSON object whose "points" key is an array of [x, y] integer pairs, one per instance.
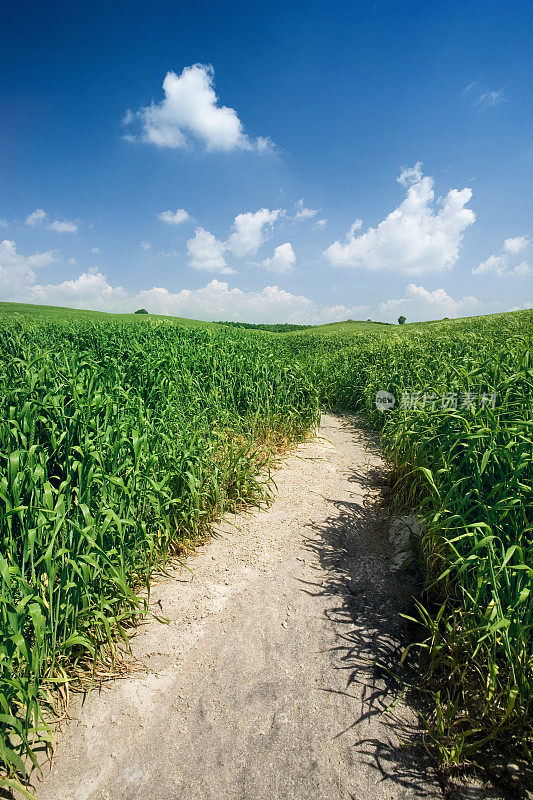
{"points": [[264, 683]]}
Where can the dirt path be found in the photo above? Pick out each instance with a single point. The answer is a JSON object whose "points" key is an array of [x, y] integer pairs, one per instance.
{"points": [[262, 685]]}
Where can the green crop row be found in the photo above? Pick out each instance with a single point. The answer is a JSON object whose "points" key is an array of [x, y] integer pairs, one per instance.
{"points": [[118, 444], [460, 441]]}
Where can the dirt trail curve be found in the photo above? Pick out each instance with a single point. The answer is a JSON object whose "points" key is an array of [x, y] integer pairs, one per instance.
{"points": [[262, 686]]}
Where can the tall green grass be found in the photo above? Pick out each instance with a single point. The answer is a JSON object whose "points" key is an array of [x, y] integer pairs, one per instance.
{"points": [[469, 471], [118, 444]]}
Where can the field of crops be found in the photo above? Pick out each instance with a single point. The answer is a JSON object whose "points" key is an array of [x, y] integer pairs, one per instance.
{"points": [[460, 441], [120, 442]]}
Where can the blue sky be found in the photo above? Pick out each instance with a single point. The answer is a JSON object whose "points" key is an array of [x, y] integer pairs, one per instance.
{"points": [[268, 161]]}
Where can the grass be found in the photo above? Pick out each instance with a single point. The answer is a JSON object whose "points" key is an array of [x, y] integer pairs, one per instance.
{"points": [[468, 469], [37, 313], [119, 443], [123, 436]]}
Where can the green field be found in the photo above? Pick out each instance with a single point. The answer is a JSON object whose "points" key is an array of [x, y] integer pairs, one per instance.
{"points": [[12, 311], [467, 468], [122, 438]]}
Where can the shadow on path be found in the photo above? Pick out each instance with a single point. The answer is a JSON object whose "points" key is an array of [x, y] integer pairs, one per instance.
{"points": [[366, 602]]}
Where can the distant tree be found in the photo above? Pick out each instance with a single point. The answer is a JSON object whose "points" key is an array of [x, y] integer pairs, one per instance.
{"points": [[141, 311], [401, 320], [369, 320]]}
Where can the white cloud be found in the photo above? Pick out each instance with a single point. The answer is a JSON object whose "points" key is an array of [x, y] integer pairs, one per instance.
{"points": [[264, 144], [440, 299], [303, 213], [4, 223], [72, 261], [63, 226], [410, 175], [499, 265], [415, 238], [494, 264], [95, 250], [421, 304], [321, 223], [90, 289], [250, 230], [388, 306], [283, 259], [146, 246], [490, 99], [207, 252], [355, 226], [174, 217], [485, 99], [39, 215], [36, 217], [38, 260], [18, 271], [190, 111], [215, 301], [516, 244], [468, 88]]}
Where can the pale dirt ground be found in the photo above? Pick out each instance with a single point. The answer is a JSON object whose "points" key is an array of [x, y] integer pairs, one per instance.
{"points": [[264, 685]]}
